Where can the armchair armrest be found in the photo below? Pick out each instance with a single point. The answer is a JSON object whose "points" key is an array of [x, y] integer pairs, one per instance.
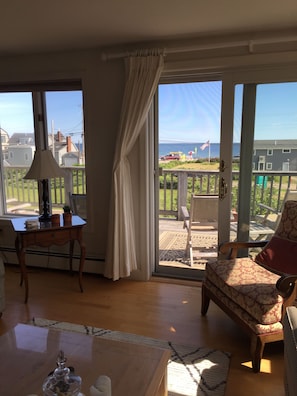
{"points": [[231, 248], [264, 218], [286, 286], [268, 208]]}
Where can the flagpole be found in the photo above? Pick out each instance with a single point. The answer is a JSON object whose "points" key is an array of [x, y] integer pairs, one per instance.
{"points": [[209, 152]]}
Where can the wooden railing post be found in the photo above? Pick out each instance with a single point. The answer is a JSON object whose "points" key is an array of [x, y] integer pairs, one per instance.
{"points": [[68, 184], [182, 189]]}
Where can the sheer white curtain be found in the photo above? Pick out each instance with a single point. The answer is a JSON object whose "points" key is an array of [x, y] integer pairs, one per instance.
{"points": [[142, 76]]}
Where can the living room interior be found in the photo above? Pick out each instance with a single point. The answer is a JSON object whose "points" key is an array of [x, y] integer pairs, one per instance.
{"points": [[75, 42]]}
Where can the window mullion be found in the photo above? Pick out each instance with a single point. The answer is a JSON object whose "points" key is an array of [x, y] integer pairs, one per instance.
{"points": [[40, 120]]}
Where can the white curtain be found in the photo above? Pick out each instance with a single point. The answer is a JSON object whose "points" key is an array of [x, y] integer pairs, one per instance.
{"points": [[142, 76]]}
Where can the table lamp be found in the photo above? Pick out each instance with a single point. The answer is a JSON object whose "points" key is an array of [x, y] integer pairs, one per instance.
{"points": [[44, 167]]}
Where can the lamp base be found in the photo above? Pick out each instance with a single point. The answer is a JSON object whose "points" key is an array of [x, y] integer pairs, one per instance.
{"points": [[45, 218]]}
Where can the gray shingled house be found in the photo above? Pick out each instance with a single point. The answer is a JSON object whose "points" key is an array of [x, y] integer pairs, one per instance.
{"points": [[275, 155]]}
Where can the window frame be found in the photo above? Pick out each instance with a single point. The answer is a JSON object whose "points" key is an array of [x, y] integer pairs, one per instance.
{"points": [[38, 91]]}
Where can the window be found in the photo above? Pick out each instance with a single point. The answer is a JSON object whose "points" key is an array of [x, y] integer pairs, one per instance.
{"points": [[269, 152], [268, 165], [286, 151], [39, 117]]}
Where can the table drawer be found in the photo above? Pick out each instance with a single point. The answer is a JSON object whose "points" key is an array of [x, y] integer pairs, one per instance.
{"points": [[47, 238]]}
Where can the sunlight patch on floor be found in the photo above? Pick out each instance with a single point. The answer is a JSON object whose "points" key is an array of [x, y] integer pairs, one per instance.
{"points": [[265, 366]]}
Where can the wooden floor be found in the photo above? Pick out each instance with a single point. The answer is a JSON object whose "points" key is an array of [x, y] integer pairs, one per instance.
{"points": [[161, 308]]}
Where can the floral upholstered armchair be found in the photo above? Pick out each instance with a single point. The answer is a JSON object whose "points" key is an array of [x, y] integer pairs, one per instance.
{"points": [[255, 292]]}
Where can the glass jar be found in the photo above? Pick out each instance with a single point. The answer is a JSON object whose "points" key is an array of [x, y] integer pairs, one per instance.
{"points": [[62, 382]]}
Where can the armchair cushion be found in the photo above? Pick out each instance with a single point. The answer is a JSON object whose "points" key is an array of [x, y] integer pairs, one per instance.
{"points": [[239, 278], [279, 255]]}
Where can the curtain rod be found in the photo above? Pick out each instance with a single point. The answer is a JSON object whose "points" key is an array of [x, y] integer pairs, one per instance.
{"points": [[105, 56]]}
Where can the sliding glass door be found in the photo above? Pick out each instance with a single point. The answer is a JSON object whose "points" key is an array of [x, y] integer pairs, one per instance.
{"points": [[253, 118]]}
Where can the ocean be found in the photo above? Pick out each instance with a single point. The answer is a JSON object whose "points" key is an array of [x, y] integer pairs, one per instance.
{"points": [[186, 148]]}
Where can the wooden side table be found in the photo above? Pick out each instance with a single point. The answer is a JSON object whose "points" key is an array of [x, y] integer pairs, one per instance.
{"points": [[45, 236]]}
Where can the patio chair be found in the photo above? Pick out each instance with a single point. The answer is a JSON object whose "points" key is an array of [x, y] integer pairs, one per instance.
{"points": [[78, 204], [203, 216], [255, 292], [269, 216]]}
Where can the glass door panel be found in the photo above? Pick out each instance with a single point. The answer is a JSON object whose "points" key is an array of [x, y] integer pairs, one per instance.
{"points": [[269, 155], [187, 154]]}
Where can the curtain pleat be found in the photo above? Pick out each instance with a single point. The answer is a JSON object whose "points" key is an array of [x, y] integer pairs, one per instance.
{"points": [[142, 77]]}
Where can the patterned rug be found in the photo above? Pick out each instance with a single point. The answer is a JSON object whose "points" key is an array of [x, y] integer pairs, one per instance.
{"points": [[192, 371], [172, 247]]}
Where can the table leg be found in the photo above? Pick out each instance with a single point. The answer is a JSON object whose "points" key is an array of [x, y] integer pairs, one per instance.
{"points": [[71, 248], [163, 389], [81, 263], [20, 251], [81, 260]]}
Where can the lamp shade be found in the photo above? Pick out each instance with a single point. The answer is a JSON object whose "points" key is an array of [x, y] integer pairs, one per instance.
{"points": [[44, 166]]}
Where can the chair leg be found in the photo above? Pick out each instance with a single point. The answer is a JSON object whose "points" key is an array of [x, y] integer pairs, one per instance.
{"points": [[189, 248], [257, 349], [191, 252], [204, 301]]}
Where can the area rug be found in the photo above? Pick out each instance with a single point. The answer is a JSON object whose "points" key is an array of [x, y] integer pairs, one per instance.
{"points": [[172, 247], [192, 371]]}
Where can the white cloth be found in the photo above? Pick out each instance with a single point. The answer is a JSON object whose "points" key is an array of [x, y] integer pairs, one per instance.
{"points": [[102, 387], [143, 75]]}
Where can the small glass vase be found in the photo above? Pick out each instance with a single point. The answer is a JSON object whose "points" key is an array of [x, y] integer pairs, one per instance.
{"points": [[62, 382]]}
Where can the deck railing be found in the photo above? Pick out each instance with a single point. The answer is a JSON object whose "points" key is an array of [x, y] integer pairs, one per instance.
{"points": [[176, 187], [22, 194]]}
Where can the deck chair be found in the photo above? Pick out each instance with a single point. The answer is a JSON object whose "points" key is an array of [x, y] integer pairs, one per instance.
{"points": [[78, 204], [256, 292], [203, 216], [270, 217]]}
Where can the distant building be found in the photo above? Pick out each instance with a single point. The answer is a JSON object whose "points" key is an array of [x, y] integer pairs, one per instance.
{"points": [[275, 155], [20, 155], [4, 143], [21, 148], [70, 159], [63, 146]]}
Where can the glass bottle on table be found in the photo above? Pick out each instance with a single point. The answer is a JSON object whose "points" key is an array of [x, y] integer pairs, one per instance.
{"points": [[62, 382]]}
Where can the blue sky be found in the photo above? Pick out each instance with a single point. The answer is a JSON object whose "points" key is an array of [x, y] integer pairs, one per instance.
{"points": [[188, 112], [64, 112]]}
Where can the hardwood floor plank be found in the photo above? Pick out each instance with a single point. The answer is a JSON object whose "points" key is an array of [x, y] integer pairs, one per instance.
{"points": [[161, 308]]}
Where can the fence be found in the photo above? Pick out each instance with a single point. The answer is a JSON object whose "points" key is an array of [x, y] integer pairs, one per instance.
{"points": [[23, 194], [176, 187]]}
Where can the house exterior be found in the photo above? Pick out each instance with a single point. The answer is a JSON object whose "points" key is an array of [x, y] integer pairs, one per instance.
{"points": [[4, 143], [21, 148], [275, 155], [20, 155], [70, 159], [64, 147]]}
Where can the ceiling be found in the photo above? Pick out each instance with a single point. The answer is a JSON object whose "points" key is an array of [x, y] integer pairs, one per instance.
{"points": [[34, 26]]}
